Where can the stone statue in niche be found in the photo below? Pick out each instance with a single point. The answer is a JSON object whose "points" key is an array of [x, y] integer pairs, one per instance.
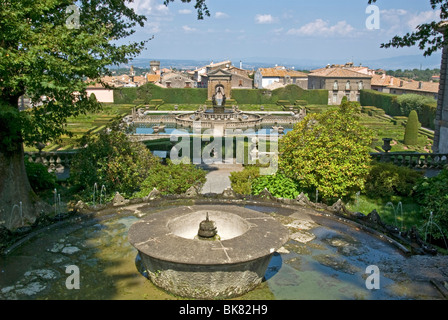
{"points": [[219, 97]]}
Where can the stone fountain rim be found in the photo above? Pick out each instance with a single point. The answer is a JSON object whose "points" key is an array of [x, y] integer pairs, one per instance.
{"points": [[152, 237]]}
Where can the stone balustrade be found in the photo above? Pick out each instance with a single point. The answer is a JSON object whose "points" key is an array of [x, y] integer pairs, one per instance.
{"points": [[57, 162], [413, 160]]}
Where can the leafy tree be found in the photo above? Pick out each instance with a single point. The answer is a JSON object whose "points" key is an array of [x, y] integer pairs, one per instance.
{"points": [[409, 102], [44, 52], [411, 131], [428, 36], [112, 160], [329, 152]]}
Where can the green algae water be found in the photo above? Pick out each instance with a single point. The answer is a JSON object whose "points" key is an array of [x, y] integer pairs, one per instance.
{"points": [[322, 260]]}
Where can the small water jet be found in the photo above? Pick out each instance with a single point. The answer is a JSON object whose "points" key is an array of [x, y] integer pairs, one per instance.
{"points": [[103, 187], [95, 188], [398, 209], [57, 203], [431, 223], [19, 207]]}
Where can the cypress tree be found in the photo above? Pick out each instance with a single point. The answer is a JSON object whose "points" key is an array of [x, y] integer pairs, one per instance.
{"points": [[411, 131]]}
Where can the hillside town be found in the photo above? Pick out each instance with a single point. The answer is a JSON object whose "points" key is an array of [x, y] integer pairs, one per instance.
{"points": [[341, 80]]}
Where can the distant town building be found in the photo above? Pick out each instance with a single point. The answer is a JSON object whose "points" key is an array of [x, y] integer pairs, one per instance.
{"points": [[101, 93], [239, 77], [177, 80], [265, 77], [154, 67], [340, 81], [389, 84]]}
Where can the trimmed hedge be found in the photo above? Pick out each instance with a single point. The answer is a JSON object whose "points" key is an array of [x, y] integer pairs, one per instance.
{"points": [[389, 103], [411, 131], [149, 92], [289, 94]]}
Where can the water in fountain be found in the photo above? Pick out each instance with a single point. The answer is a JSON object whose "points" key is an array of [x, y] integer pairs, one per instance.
{"points": [[95, 188], [103, 187], [332, 267], [398, 209], [357, 199], [19, 207], [431, 223]]}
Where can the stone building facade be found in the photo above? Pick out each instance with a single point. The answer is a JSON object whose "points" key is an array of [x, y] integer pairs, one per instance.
{"points": [[177, 80], [219, 78], [339, 82]]}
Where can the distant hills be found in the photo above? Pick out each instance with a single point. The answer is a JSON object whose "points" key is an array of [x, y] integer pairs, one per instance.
{"points": [[392, 63]]}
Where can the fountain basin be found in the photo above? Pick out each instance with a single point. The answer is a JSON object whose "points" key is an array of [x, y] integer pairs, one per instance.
{"points": [[177, 262]]}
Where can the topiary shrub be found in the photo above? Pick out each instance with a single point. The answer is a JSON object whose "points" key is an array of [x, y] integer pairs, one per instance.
{"points": [[386, 179], [411, 131]]}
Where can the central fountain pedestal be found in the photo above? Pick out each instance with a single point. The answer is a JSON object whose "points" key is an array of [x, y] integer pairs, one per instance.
{"points": [[178, 262]]}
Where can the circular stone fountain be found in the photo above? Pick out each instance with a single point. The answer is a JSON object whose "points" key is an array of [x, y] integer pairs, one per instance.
{"points": [[178, 261]]}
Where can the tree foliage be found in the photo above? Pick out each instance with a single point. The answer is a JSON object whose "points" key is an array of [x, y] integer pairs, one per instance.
{"points": [[428, 36], [329, 152], [386, 180], [432, 196], [112, 160], [409, 102], [51, 62], [44, 56]]}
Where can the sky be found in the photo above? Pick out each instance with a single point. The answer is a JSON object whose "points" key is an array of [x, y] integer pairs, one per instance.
{"points": [[307, 30]]}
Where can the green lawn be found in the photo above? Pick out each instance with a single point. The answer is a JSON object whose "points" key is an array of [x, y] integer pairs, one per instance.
{"points": [[391, 212], [387, 129], [80, 125]]}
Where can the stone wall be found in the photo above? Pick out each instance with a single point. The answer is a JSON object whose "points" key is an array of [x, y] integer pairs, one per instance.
{"points": [[440, 144]]}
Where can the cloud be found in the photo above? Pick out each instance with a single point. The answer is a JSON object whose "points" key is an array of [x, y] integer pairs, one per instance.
{"points": [[153, 27], [320, 27], [278, 30], [189, 29], [423, 17], [151, 9], [221, 15], [264, 19], [147, 7], [394, 12], [185, 11], [394, 21]]}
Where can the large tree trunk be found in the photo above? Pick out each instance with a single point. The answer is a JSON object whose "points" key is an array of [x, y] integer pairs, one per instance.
{"points": [[19, 205], [17, 199]]}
